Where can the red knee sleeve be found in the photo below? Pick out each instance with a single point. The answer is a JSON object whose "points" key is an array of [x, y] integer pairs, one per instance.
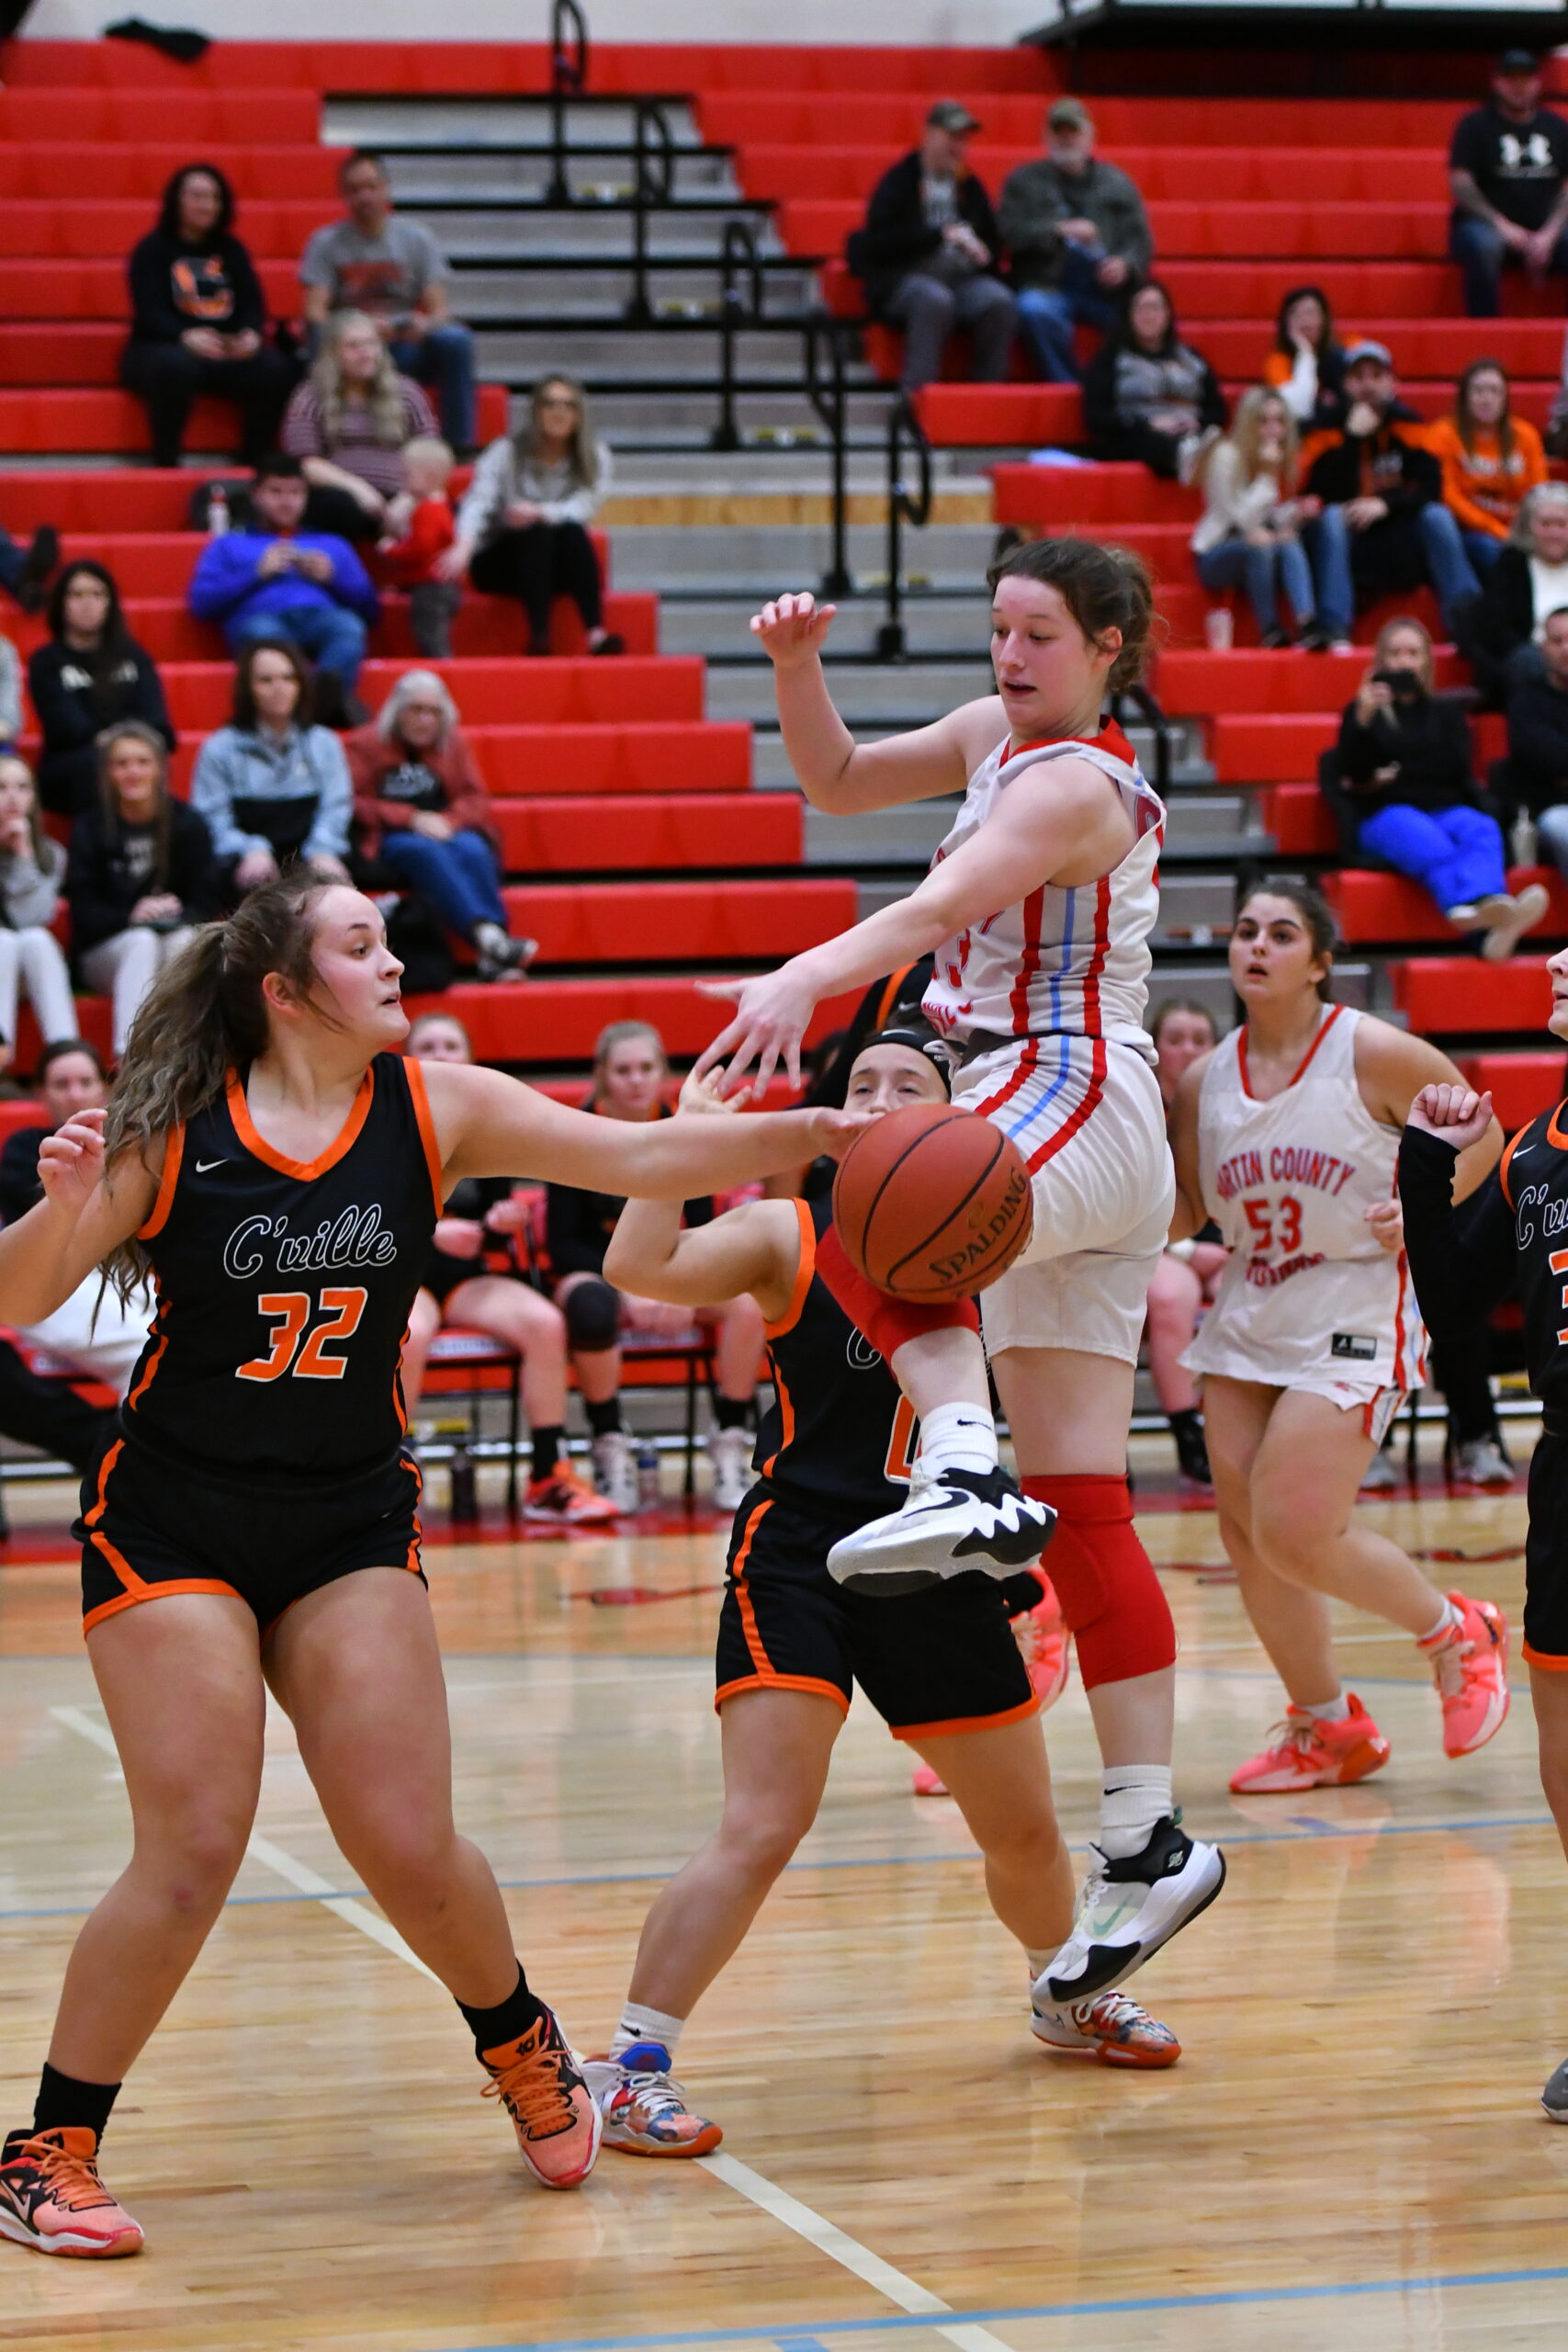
{"points": [[887, 1321], [1105, 1581]]}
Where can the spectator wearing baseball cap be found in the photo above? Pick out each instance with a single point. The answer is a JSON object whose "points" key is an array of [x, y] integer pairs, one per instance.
{"points": [[1384, 528], [1078, 237], [929, 251], [1508, 178]]}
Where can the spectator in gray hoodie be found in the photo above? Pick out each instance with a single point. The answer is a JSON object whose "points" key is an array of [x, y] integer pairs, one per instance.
{"points": [[1078, 236], [32, 868], [271, 785]]}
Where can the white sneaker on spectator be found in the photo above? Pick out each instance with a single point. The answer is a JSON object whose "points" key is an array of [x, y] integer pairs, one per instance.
{"points": [[1480, 1462], [614, 1469], [1507, 920], [730, 1458], [1381, 1475]]}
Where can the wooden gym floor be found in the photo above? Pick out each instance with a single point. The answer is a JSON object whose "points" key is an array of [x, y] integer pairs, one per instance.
{"points": [[1350, 2144]]}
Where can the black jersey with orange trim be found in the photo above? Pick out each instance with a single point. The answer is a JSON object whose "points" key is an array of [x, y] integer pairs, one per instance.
{"points": [[839, 1440], [283, 1288]]}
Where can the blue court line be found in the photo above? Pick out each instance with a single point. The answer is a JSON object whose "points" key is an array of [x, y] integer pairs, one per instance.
{"points": [[783, 2333], [1308, 1831]]}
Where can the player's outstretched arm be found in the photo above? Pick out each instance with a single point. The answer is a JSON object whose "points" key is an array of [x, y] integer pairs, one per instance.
{"points": [[1462, 1263], [47, 1254], [836, 773], [754, 1246], [1396, 1072], [489, 1125]]}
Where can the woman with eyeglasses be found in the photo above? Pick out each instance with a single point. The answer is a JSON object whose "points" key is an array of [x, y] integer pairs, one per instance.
{"points": [[523, 527], [420, 807]]}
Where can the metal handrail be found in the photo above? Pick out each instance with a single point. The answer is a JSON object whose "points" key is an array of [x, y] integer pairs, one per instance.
{"points": [[830, 403], [1151, 716], [902, 423], [653, 179], [738, 308], [568, 79]]}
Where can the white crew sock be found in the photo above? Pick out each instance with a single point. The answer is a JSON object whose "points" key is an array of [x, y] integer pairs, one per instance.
{"points": [[1331, 1710], [1039, 1961], [640, 2024], [958, 1437], [1449, 1617], [1132, 1798]]}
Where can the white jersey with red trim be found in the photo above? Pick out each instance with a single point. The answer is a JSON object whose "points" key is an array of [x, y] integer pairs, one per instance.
{"points": [[1309, 1299], [1060, 962]]}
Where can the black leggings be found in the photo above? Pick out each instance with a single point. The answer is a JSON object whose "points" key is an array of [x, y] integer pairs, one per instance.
{"points": [[168, 376], [536, 565]]}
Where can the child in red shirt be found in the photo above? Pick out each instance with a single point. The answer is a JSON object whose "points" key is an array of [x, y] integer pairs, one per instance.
{"points": [[420, 528]]}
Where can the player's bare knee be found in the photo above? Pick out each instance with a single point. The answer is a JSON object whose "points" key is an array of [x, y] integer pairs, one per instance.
{"points": [[759, 1840], [1290, 1538], [198, 1857]]}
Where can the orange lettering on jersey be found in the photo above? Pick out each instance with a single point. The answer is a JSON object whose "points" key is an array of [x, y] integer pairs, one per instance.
{"points": [[290, 1311], [347, 1306], [900, 1462], [1558, 1262]]}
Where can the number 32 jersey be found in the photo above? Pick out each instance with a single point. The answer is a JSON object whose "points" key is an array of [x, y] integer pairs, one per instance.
{"points": [[1310, 1300], [284, 1288]]}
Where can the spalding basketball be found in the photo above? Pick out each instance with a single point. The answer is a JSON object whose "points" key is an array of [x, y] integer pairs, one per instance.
{"points": [[932, 1202]]}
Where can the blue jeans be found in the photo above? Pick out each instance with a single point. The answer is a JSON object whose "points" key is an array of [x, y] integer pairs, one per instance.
{"points": [[1447, 566], [1049, 313], [1263, 571], [459, 877], [333, 636], [1481, 549], [1456, 853], [444, 356], [1482, 254]]}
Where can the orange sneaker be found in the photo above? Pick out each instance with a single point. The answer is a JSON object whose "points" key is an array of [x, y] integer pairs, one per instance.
{"points": [[52, 2197], [1116, 2031], [1470, 1666], [1047, 1647], [540, 2084], [1307, 1753], [569, 1500]]}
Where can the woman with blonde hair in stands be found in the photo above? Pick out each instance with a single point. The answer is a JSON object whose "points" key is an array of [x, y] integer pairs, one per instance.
{"points": [[471, 1277], [630, 1081], [1491, 460], [347, 425], [32, 871], [523, 524], [1248, 534]]}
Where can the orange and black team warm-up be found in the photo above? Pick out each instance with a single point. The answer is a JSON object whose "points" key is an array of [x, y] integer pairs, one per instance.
{"points": [[272, 1276]]}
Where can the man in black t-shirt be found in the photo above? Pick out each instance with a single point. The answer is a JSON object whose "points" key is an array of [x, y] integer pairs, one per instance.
{"points": [[1508, 178]]}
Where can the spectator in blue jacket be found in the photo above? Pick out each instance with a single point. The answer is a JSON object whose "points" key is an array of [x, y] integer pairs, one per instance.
{"points": [[270, 785], [276, 581]]}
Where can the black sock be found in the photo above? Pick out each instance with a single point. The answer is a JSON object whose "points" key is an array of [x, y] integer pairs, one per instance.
{"points": [[1189, 1423], [508, 2021], [603, 1418], [65, 2104], [547, 1449], [732, 1412]]}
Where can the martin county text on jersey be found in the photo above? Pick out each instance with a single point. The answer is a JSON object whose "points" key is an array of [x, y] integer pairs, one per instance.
{"points": [[354, 1238], [1319, 1171]]}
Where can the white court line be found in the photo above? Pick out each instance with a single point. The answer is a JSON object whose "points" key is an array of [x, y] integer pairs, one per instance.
{"points": [[835, 2242]]}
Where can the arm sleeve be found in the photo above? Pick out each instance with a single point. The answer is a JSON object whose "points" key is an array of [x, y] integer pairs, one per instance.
{"points": [[468, 799], [351, 584], [1134, 238], [485, 497], [584, 504], [315, 262], [250, 303], [99, 910], [302, 434], [211, 795], [975, 206], [896, 232], [574, 1244], [65, 718], [1456, 491], [1463, 1262], [1027, 216], [153, 318], [328, 836], [225, 574], [1421, 482], [1362, 751], [10, 692], [32, 889]]}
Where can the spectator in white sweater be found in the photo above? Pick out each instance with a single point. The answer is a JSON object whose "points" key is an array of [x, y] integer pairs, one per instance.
{"points": [[523, 526], [1247, 535], [32, 868]]}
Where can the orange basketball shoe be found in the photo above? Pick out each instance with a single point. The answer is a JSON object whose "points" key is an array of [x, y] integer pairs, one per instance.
{"points": [[1046, 1645], [1307, 1753], [644, 2108], [569, 1500], [1470, 1666], [52, 2197], [1116, 2031], [538, 2081]]}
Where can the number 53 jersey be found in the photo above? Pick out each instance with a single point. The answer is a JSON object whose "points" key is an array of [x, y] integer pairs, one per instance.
{"points": [[1310, 1300], [283, 1288]]}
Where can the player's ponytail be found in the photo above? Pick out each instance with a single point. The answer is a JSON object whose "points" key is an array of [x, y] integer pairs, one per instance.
{"points": [[1102, 587], [203, 1016]]}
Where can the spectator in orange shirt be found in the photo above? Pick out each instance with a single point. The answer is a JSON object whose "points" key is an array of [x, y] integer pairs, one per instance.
{"points": [[1491, 461], [420, 527], [1306, 366]]}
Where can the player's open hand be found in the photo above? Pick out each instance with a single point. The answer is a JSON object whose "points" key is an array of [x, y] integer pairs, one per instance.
{"points": [[704, 1093], [1455, 1113], [71, 1162], [792, 629], [1386, 1219], [769, 1022]]}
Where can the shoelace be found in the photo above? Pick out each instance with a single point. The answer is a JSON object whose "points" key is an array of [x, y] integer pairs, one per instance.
{"points": [[658, 2095], [1448, 1662], [72, 2181], [536, 2092], [1292, 1732], [1109, 2012]]}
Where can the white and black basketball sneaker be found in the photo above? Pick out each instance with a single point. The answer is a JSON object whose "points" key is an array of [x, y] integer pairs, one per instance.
{"points": [[954, 1520], [1554, 2097], [1129, 1909]]}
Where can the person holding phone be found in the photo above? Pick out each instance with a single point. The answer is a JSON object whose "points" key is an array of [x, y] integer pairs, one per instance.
{"points": [[1404, 757]]}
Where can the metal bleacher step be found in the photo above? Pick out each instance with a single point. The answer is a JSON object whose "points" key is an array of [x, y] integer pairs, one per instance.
{"points": [[904, 693], [395, 126], [711, 560]]}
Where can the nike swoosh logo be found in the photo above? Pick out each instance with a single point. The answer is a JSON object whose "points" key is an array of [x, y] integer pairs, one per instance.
{"points": [[1521, 1150], [1123, 1908], [203, 1165]]}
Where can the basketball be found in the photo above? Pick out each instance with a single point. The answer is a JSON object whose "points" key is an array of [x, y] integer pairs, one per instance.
{"points": [[932, 1202]]}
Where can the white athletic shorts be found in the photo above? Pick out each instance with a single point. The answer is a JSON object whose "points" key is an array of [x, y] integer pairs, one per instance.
{"points": [[1088, 1117]]}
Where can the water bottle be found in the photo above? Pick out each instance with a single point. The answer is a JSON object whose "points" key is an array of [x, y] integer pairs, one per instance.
{"points": [[647, 1477], [218, 519], [465, 1487], [1522, 841]]}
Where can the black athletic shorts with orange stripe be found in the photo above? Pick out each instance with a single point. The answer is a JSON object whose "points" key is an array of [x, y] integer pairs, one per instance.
{"points": [[150, 1526], [932, 1663]]}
